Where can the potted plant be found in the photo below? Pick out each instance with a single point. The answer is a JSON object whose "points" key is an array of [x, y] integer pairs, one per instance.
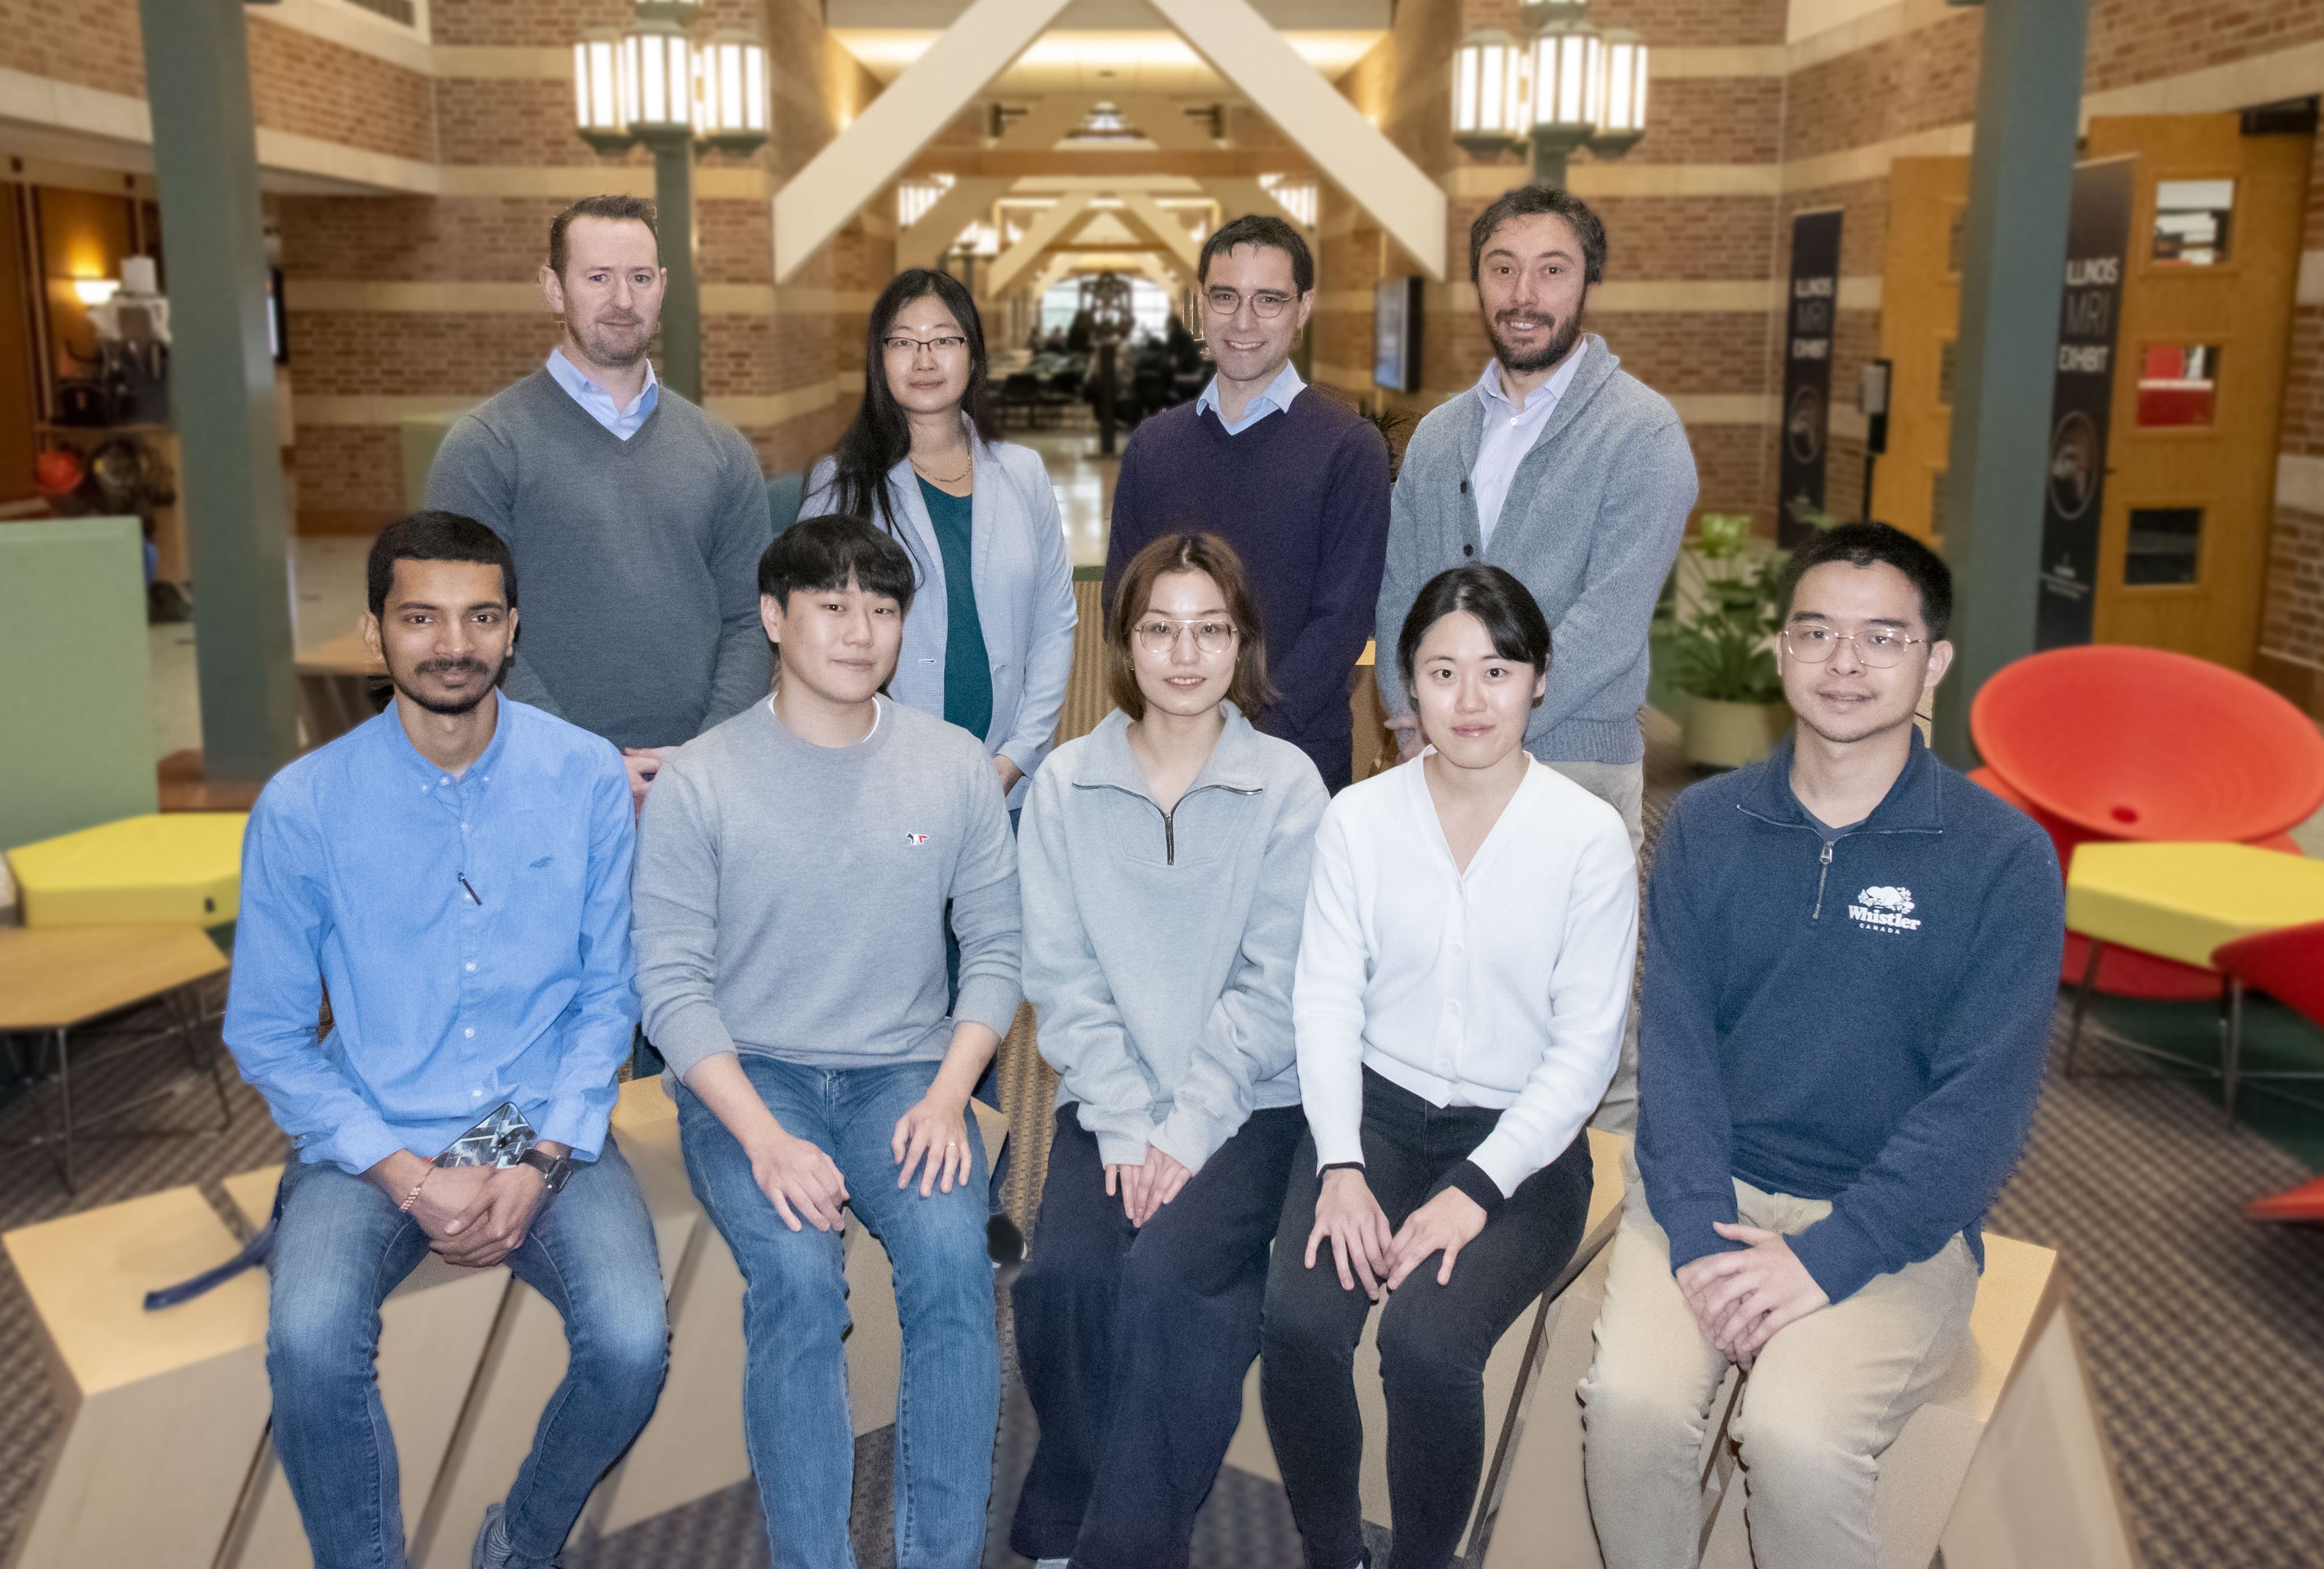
{"points": [[1722, 646]]}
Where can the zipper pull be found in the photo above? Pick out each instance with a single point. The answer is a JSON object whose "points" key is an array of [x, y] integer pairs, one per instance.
{"points": [[1823, 871]]}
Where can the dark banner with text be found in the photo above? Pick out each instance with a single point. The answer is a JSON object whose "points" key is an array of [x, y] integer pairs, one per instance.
{"points": [[1810, 313], [2097, 231]]}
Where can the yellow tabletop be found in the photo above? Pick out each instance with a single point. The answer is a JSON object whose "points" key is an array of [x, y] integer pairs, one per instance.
{"points": [[58, 977], [2183, 901], [163, 866]]}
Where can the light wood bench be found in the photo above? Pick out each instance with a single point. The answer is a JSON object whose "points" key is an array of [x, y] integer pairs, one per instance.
{"points": [[1949, 1480], [433, 1329], [159, 1413], [1510, 1374]]}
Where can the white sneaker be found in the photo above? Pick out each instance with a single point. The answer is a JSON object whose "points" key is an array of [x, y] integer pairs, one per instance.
{"points": [[1053, 1563]]}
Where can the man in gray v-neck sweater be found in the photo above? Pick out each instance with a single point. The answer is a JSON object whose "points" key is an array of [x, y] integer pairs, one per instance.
{"points": [[637, 559]]}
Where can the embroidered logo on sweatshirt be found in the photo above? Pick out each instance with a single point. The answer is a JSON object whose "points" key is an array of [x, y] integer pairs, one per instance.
{"points": [[916, 838], [1887, 910]]}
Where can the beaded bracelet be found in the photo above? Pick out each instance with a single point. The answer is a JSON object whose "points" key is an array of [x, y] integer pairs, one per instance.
{"points": [[413, 1196]]}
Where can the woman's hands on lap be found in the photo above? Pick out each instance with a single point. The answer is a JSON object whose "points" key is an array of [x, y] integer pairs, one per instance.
{"points": [[1347, 1214]]}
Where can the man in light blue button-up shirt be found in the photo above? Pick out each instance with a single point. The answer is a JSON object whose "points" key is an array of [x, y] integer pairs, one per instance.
{"points": [[452, 881]]}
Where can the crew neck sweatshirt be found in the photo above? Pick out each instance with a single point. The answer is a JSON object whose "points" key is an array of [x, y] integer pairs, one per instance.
{"points": [[791, 898], [1303, 497], [636, 560]]}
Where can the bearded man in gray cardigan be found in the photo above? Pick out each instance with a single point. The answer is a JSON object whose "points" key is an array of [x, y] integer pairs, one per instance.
{"points": [[1571, 474]]}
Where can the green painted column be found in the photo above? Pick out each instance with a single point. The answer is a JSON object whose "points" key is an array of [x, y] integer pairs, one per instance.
{"points": [[681, 302], [222, 382], [2029, 95]]}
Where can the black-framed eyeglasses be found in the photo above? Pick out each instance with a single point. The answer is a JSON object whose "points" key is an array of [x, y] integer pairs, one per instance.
{"points": [[949, 344], [1159, 635], [1879, 648], [1265, 303]]}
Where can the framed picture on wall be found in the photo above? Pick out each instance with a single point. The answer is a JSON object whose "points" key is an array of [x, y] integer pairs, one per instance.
{"points": [[1395, 334]]}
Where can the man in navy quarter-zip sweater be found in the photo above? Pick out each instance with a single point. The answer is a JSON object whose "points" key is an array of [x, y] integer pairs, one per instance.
{"points": [[1851, 963]]}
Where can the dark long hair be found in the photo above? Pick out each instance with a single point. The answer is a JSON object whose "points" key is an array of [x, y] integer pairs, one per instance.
{"points": [[880, 438]]}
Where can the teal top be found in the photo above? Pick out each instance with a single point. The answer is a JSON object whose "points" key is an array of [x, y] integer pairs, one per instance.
{"points": [[968, 670]]}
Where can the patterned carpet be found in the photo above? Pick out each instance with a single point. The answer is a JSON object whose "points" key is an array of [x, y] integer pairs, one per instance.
{"points": [[2204, 1334]]}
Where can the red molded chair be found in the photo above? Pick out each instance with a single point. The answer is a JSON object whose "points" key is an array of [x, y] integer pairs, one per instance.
{"points": [[2122, 972], [2288, 964], [2304, 1203], [2130, 742]]}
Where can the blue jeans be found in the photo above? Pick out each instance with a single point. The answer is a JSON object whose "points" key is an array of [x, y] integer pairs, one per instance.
{"points": [[794, 1412], [342, 1247]]}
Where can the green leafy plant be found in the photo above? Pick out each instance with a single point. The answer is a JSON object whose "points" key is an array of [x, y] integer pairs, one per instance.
{"points": [[1719, 644], [1389, 422]]}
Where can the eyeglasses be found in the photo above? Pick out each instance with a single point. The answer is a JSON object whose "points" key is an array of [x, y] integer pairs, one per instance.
{"points": [[1879, 648], [1266, 304], [948, 344], [1159, 636]]}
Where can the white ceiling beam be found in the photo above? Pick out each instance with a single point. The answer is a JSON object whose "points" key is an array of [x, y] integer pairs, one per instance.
{"points": [[1243, 48], [969, 199], [1070, 213], [1166, 123], [1162, 225], [905, 117], [1163, 273], [1052, 118], [1241, 195]]}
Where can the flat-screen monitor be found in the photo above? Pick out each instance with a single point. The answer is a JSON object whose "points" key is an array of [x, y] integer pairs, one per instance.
{"points": [[1395, 334]]}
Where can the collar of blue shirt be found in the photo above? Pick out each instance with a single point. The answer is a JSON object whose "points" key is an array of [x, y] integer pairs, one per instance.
{"points": [[1285, 387], [432, 778], [1542, 399], [622, 422]]}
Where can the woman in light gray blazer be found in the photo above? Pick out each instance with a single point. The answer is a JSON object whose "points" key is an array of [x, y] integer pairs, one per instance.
{"points": [[991, 636]]}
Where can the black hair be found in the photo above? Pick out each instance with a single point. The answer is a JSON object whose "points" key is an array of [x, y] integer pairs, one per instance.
{"points": [[878, 437], [635, 209], [1259, 229], [1529, 202], [830, 552], [435, 536], [1861, 545], [1513, 620]]}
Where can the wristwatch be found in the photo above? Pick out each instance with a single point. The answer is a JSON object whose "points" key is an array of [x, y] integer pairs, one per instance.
{"points": [[553, 1168]]}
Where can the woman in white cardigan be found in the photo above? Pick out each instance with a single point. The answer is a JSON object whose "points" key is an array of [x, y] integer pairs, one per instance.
{"points": [[990, 637], [1464, 974]]}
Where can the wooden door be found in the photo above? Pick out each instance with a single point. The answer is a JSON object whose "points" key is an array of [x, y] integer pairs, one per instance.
{"points": [[1920, 317], [2210, 268]]}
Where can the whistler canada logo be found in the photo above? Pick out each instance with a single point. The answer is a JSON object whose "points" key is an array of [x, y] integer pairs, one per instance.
{"points": [[1888, 910]]}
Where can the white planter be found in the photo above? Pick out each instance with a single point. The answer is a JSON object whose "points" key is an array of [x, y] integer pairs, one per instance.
{"points": [[1729, 735]]}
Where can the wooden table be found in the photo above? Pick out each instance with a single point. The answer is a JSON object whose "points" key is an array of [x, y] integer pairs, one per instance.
{"points": [[55, 980], [335, 679]]}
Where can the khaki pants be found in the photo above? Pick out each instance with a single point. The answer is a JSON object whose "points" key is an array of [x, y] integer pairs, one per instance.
{"points": [[1623, 787], [1827, 1397]]}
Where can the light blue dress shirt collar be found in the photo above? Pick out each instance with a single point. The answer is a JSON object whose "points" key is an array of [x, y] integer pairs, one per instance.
{"points": [[1285, 387], [1489, 386], [622, 422]]}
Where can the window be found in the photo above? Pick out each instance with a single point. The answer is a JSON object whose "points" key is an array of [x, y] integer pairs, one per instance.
{"points": [[2190, 221], [2178, 384], [2164, 542]]}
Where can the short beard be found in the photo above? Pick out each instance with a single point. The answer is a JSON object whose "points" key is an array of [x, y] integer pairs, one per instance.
{"points": [[459, 705], [1560, 344], [602, 349]]}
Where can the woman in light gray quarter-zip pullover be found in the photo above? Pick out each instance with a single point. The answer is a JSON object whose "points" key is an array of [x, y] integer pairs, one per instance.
{"points": [[1164, 860]]}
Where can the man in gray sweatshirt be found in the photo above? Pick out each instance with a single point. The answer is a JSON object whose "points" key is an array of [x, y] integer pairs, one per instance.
{"points": [[636, 518], [793, 870], [1561, 468]]}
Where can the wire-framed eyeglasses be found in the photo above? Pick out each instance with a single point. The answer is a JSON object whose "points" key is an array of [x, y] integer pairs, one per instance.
{"points": [[1879, 647], [1159, 635], [1265, 303], [949, 343]]}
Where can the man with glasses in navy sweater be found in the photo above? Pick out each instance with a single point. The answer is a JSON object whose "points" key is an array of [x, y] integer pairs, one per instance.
{"points": [[1851, 965], [1294, 480]]}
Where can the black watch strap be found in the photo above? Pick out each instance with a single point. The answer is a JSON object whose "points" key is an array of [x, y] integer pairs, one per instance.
{"points": [[553, 1168]]}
